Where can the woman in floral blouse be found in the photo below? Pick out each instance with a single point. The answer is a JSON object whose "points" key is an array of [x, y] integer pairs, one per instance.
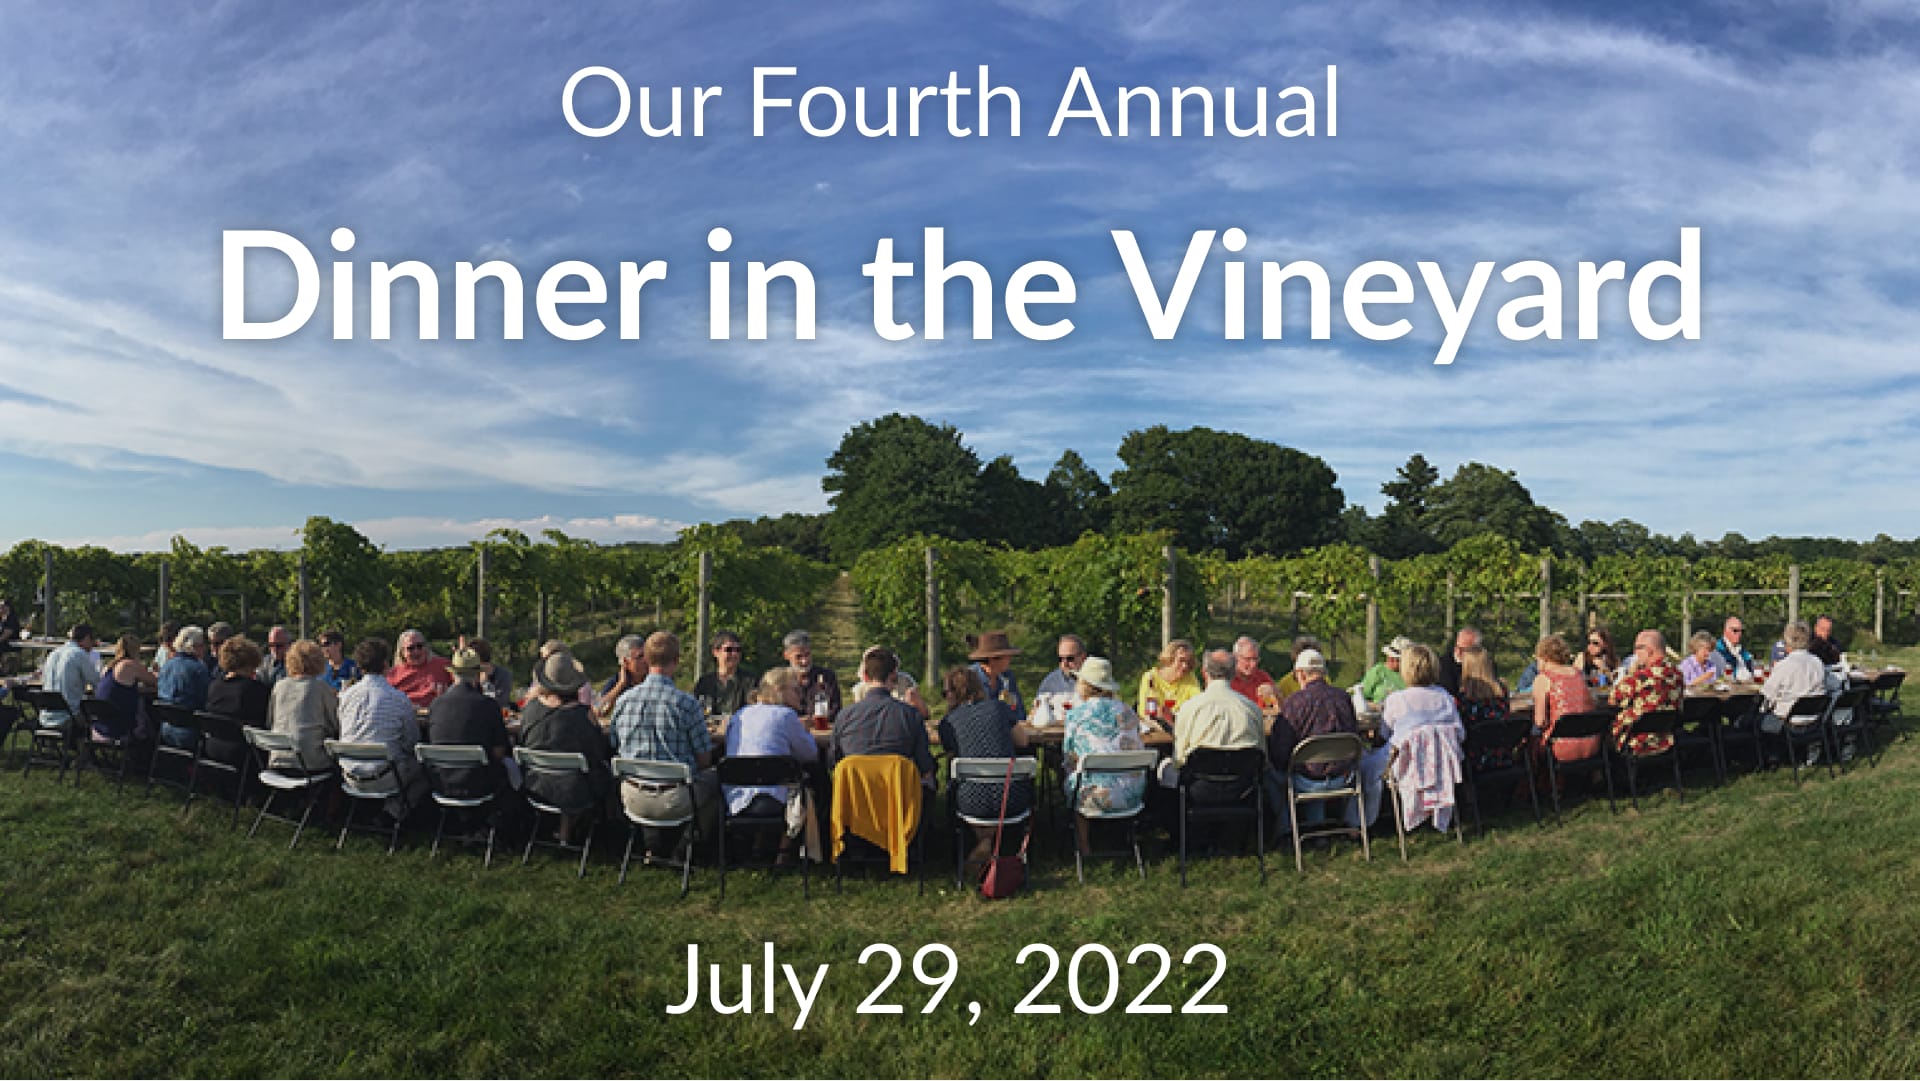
{"points": [[1100, 724]]}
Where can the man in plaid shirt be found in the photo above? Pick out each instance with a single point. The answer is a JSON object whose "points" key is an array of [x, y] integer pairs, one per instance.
{"points": [[660, 722]]}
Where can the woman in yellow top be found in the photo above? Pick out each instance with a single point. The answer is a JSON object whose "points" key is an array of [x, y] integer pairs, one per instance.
{"points": [[1163, 688]]}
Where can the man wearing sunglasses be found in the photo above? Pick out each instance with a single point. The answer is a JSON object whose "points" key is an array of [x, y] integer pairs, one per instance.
{"points": [[417, 673], [1071, 652], [1732, 648], [724, 690]]}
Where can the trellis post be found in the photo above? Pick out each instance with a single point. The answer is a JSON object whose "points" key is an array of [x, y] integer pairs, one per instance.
{"points": [[933, 620], [306, 606], [1793, 593], [1373, 610], [1879, 606], [480, 595], [1546, 596], [1166, 597], [700, 617]]}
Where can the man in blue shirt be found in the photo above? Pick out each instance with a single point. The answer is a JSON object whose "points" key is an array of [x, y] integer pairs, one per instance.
{"points": [[71, 670], [659, 722]]}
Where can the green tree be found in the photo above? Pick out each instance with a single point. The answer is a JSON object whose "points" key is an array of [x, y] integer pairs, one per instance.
{"points": [[1224, 492], [1021, 512], [1480, 498], [897, 476], [1403, 529], [345, 577], [1082, 492]]}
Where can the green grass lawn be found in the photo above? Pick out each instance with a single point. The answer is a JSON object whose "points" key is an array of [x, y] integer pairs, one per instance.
{"points": [[1752, 930]]}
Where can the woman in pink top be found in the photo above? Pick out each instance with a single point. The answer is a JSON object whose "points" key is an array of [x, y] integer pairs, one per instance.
{"points": [[1560, 689]]}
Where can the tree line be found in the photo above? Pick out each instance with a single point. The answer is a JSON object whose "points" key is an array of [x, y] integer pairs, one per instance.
{"points": [[899, 476]]}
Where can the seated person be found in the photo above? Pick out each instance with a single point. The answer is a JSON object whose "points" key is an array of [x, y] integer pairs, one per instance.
{"points": [[1099, 723], [1702, 665], [1424, 704], [1165, 687], [1799, 674], [882, 724], [723, 691], [183, 682], [238, 694], [770, 726], [341, 669], [1384, 678], [418, 673], [980, 727], [467, 715], [566, 725], [1653, 685], [1218, 718], [374, 711], [1316, 709], [121, 682], [659, 722], [902, 686], [304, 708]]}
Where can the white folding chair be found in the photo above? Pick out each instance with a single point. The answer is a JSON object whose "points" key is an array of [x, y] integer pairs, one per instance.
{"points": [[265, 745], [988, 773], [1112, 763], [553, 763], [435, 757], [376, 778], [662, 776]]}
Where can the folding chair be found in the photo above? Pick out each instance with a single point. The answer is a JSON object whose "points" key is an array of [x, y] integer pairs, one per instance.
{"points": [[644, 773], [907, 779], [1111, 763], [11, 720], [986, 772], [48, 744], [1884, 710], [1806, 725], [378, 779], [1491, 737], [1696, 730], [762, 771], [1571, 726], [1654, 722], [1851, 721], [179, 717], [1737, 724], [437, 757], [306, 778], [1336, 750], [97, 713], [213, 729], [1392, 790], [554, 763], [1234, 779]]}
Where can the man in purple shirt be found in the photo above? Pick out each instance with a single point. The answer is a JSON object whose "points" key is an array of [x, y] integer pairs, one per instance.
{"points": [[1316, 709]]}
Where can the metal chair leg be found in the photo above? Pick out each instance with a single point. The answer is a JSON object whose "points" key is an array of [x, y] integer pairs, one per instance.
{"points": [[633, 832], [264, 805]]}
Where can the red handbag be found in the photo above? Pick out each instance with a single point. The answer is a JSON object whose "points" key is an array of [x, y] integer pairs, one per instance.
{"points": [[1005, 875]]}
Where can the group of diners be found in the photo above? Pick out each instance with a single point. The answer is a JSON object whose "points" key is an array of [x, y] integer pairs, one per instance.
{"points": [[1411, 709]]}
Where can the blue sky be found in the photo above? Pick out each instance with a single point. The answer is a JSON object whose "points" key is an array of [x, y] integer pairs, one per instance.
{"points": [[133, 134]]}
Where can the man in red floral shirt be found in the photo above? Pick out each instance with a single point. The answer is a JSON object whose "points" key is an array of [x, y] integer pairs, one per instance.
{"points": [[1653, 685]]}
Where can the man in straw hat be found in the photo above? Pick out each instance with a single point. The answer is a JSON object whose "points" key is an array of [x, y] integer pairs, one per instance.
{"points": [[1384, 677], [993, 656]]}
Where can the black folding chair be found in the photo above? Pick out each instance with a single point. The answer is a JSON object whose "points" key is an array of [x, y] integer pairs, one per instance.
{"points": [[1884, 711], [440, 759], [762, 771], [1653, 723], [1572, 726], [164, 714], [222, 749], [1490, 739], [1695, 733], [1737, 726], [99, 713], [1116, 764], [1851, 722], [1218, 787], [49, 744], [1806, 725]]}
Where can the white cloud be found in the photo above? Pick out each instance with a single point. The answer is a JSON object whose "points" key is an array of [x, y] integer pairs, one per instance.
{"points": [[400, 533]]}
